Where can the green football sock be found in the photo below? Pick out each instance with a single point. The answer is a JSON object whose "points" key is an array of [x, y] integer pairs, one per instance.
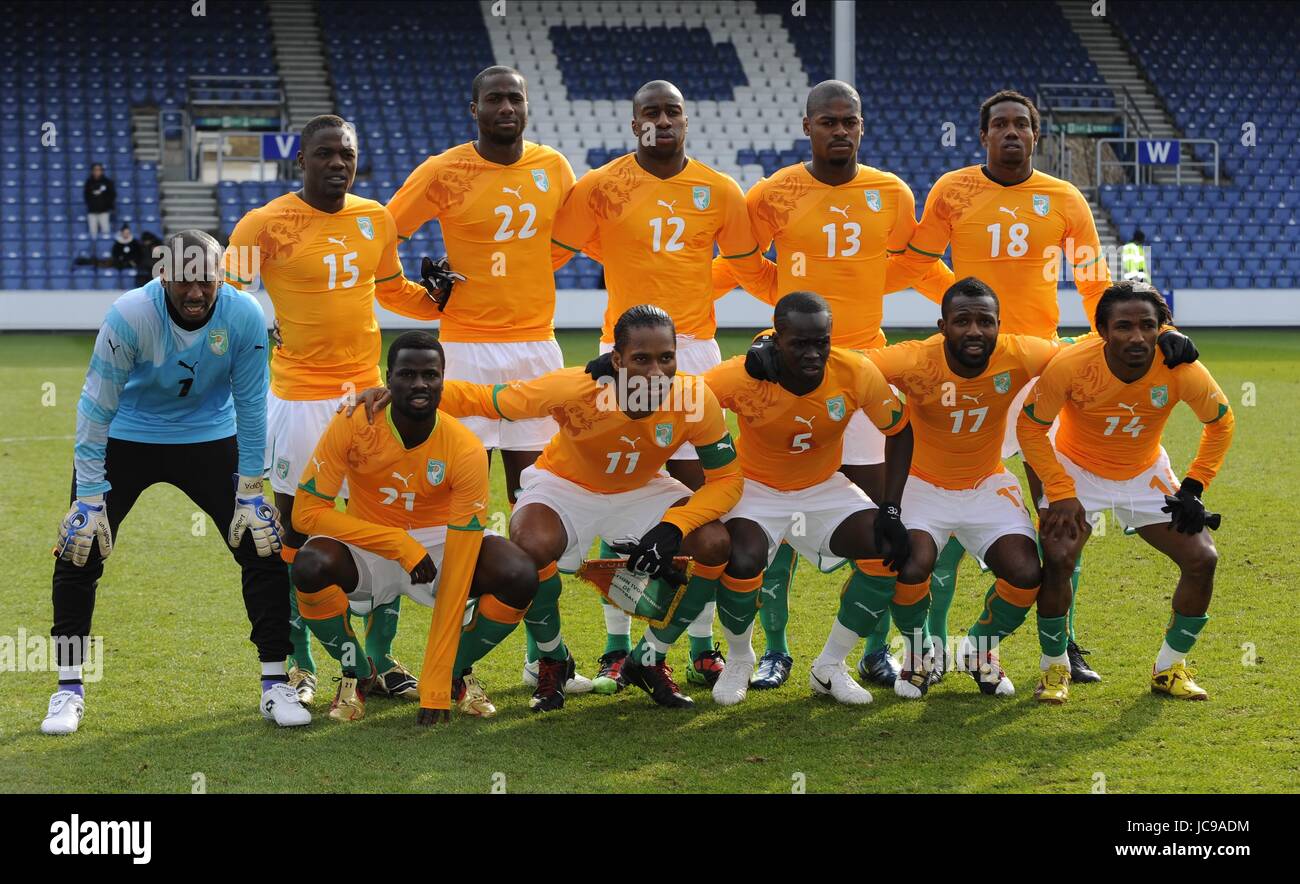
{"points": [[700, 644], [614, 641], [299, 634], [343, 644], [910, 619], [381, 629], [736, 608], [1000, 617], [492, 622], [1074, 587], [1183, 631], [1052, 635], [774, 598], [542, 621], [530, 648], [700, 590], [943, 586], [865, 602], [879, 637]]}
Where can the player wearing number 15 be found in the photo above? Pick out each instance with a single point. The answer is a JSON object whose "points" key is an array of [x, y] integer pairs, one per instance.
{"points": [[1114, 397], [324, 256], [176, 393]]}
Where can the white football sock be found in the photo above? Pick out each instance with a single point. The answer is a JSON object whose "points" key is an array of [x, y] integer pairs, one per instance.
{"points": [[273, 669], [544, 648], [1168, 657], [702, 625], [617, 621], [740, 647], [69, 673], [839, 643], [1046, 661]]}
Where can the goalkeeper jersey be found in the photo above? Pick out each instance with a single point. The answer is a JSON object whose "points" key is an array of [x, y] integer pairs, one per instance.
{"points": [[150, 380]]}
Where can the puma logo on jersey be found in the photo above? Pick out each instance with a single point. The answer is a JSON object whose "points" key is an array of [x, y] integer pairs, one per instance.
{"points": [[317, 463], [112, 346], [727, 445], [514, 191], [1011, 212], [844, 211], [806, 421], [339, 241], [405, 480], [631, 443], [189, 368], [668, 206], [480, 504], [975, 398], [1131, 409]]}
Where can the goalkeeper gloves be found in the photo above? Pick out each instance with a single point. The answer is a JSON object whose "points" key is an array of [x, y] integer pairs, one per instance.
{"points": [[438, 278], [763, 361], [84, 524], [892, 542], [1187, 513], [255, 515], [1177, 348], [653, 553]]}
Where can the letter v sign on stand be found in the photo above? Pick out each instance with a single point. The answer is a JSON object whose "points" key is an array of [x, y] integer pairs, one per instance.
{"points": [[280, 147]]}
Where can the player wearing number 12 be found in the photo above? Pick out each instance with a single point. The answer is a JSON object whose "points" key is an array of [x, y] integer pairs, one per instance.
{"points": [[325, 257], [1114, 396]]}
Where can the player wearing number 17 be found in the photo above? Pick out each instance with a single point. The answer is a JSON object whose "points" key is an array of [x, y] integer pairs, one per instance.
{"points": [[324, 256], [1113, 396]]}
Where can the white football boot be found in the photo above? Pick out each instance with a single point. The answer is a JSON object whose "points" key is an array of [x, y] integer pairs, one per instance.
{"points": [[281, 704], [579, 684], [835, 680], [64, 714], [732, 685]]}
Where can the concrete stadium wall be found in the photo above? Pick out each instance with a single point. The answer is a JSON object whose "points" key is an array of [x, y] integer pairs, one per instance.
{"points": [[582, 308]]}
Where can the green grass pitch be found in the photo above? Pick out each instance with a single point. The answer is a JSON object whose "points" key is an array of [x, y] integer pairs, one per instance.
{"points": [[179, 689]]}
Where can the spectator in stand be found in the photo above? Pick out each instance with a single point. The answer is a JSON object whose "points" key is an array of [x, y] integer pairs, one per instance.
{"points": [[127, 253], [144, 270], [101, 198]]}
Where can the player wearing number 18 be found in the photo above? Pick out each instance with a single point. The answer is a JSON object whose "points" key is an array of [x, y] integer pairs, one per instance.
{"points": [[1113, 396], [177, 364]]}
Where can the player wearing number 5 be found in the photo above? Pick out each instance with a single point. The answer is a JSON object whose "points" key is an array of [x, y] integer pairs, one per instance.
{"points": [[177, 364], [324, 256]]}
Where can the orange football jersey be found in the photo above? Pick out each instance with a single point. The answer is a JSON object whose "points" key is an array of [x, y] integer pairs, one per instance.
{"points": [[958, 423], [838, 242], [601, 448], [496, 222], [657, 238], [323, 273], [791, 442], [1112, 428], [1015, 239]]}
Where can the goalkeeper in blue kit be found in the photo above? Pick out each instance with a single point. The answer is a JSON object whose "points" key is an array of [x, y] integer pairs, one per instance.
{"points": [[176, 393]]}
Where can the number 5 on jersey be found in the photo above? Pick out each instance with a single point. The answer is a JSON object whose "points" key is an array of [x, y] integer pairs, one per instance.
{"points": [[349, 268]]}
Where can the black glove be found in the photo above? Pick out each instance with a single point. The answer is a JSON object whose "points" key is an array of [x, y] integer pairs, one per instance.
{"points": [[654, 553], [763, 361], [1177, 348], [438, 278], [601, 367], [891, 537], [1187, 513]]}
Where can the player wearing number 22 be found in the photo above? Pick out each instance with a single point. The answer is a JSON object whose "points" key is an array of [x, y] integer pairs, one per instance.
{"points": [[324, 256], [1114, 396], [177, 365]]}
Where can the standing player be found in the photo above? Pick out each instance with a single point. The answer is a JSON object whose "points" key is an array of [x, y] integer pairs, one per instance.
{"points": [[496, 199], [839, 227], [621, 419], [177, 364], [413, 527], [792, 423], [655, 215], [325, 256], [1114, 397]]}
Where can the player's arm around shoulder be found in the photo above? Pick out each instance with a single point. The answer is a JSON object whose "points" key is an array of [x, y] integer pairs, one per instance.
{"points": [[723, 482]]}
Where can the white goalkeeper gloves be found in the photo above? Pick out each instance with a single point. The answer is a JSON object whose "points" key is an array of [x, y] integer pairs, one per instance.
{"points": [[255, 515], [84, 524]]}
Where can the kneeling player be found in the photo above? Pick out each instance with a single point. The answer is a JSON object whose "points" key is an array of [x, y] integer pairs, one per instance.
{"points": [[418, 483], [793, 411], [600, 477], [1114, 397], [176, 365]]}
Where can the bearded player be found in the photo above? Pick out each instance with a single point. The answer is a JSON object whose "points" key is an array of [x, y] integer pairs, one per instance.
{"points": [[793, 417], [1114, 396], [325, 257], [839, 227], [656, 216], [1014, 227], [413, 526]]}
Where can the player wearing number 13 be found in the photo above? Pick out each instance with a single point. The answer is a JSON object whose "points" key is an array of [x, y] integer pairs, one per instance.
{"points": [[176, 393]]}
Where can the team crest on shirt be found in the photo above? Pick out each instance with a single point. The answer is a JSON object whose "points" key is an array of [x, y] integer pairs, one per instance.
{"points": [[435, 472], [1160, 396], [663, 435], [873, 202], [1002, 382], [367, 229], [218, 341], [835, 408], [700, 196], [282, 467], [1042, 205], [539, 178]]}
